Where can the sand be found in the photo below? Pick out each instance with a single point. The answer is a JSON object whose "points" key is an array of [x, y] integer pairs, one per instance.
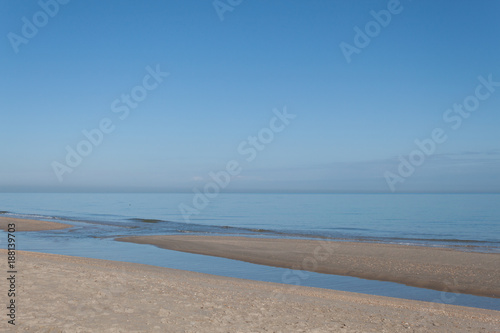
{"points": [[31, 225], [434, 268], [71, 294], [57, 293]]}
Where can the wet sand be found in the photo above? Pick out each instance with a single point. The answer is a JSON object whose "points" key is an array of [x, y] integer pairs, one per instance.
{"points": [[71, 294], [31, 225], [434, 268]]}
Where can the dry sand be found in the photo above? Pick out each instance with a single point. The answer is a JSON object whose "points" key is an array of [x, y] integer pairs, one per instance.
{"points": [[31, 225], [71, 294], [434, 268]]}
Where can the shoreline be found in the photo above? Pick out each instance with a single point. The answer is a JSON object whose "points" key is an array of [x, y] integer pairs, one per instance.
{"points": [[31, 225], [441, 269], [61, 292], [425, 267]]}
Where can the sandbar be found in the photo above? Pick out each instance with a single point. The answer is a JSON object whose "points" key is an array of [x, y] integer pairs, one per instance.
{"points": [[30, 225], [426, 267]]}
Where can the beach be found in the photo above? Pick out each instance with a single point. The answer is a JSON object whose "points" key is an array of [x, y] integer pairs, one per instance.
{"points": [[58, 293], [71, 294], [250, 166]]}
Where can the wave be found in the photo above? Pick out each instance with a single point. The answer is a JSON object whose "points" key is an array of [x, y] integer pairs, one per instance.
{"points": [[146, 220], [157, 226], [31, 216], [445, 240], [62, 219]]}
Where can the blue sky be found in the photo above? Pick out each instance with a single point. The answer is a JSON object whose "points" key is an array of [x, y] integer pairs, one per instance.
{"points": [[355, 121]]}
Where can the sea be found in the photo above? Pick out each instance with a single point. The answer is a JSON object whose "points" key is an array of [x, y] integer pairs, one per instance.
{"points": [[465, 222]]}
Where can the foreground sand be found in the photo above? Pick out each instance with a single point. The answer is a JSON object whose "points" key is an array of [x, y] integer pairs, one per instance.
{"points": [[433, 268], [70, 294], [31, 225]]}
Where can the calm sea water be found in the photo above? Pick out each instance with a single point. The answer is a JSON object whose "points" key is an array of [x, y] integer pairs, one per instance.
{"points": [[462, 221], [468, 221]]}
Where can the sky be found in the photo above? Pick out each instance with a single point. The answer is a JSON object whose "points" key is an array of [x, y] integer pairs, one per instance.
{"points": [[229, 95]]}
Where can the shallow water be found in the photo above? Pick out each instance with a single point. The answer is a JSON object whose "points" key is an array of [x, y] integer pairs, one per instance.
{"points": [[467, 222]]}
